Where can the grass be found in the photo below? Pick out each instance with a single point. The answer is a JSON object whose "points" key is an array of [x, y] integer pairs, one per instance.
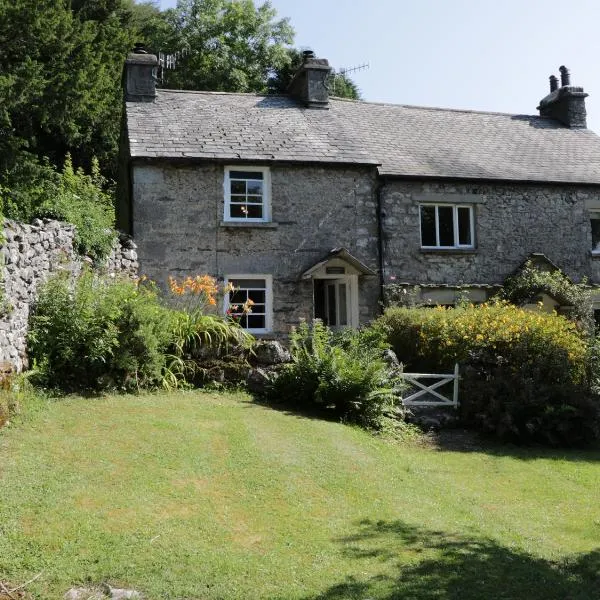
{"points": [[210, 496]]}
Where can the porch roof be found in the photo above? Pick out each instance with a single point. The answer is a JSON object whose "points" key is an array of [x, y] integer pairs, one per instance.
{"points": [[342, 254]]}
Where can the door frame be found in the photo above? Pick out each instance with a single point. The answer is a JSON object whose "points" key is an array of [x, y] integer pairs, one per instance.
{"points": [[351, 281]]}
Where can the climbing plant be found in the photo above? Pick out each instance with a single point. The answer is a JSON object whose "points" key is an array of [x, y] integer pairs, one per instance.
{"points": [[530, 281]]}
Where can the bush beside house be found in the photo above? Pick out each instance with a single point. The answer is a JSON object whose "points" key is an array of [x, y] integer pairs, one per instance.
{"points": [[343, 375], [96, 332], [526, 375]]}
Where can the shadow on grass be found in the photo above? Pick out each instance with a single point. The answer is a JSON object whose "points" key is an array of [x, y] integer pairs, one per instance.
{"points": [[452, 439], [313, 413], [419, 564], [464, 440]]}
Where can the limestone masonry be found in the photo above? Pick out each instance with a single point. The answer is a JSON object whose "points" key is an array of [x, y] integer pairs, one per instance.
{"points": [[31, 253], [320, 207]]}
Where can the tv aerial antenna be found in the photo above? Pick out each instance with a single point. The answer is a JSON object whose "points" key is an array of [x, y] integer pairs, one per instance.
{"points": [[344, 71]]}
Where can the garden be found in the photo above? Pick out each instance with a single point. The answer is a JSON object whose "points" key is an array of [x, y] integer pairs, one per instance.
{"points": [[526, 376], [134, 456]]}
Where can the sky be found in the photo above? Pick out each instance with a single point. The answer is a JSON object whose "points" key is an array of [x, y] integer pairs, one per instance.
{"points": [[489, 55]]}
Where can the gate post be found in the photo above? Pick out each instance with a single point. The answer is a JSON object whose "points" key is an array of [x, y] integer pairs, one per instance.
{"points": [[455, 397]]}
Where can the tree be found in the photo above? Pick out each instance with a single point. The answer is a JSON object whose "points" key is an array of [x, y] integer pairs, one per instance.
{"points": [[222, 45], [60, 80], [341, 86]]}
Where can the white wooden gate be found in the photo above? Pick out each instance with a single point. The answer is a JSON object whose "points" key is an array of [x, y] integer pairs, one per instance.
{"points": [[430, 390]]}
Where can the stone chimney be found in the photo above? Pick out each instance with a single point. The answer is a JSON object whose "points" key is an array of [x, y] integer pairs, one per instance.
{"points": [[566, 103], [139, 75], [309, 84]]}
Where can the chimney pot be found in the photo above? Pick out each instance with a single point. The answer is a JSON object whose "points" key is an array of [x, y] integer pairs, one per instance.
{"points": [[565, 104], [307, 55]]}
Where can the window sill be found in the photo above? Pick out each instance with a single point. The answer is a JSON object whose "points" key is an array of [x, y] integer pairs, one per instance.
{"points": [[448, 250], [250, 225]]}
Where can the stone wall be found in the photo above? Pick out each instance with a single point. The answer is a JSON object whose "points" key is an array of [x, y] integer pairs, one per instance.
{"points": [[511, 222], [178, 225], [177, 215], [30, 254]]}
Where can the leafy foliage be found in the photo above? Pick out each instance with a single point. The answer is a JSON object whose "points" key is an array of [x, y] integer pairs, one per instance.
{"points": [[96, 333], [38, 190], [526, 374], [345, 376], [60, 79], [341, 86], [520, 402], [531, 281], [201, 342], [429, 338], [226, 45]]}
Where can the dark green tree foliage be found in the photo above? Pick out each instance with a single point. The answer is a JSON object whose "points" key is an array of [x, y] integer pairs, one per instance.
{"points": [[151, 27], [60, 79], [226, 45], [280, 78]]}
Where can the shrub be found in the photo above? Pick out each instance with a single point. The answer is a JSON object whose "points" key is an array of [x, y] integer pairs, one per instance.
{"points": [[531, 281], [433, 338], [199, 339], [518, 403], [345, 375], [36, 189], [198, 342], [96, 333], [526, 375]]}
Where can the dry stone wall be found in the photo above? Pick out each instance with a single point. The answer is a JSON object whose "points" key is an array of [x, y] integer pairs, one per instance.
{"points": [[29, 254]]}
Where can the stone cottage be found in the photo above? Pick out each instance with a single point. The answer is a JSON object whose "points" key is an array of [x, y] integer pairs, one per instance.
{"points": [[311, 205]]}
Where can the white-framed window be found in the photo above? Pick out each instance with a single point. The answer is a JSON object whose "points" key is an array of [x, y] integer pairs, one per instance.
{"points": [[595, 223], [250, 303], [447, 226], [247, 194]]}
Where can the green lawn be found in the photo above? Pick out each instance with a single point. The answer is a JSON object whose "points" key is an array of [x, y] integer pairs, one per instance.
{"points": [[206, 496]]}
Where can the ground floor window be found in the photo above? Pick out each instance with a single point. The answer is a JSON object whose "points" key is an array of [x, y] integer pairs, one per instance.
{"points": [[250, 301]]}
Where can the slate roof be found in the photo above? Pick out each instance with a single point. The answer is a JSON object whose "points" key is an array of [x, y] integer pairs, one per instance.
{"points": [[402, 140]]}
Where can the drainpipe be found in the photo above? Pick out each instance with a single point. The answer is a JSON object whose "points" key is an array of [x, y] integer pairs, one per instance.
{"points": [[380, 245]]}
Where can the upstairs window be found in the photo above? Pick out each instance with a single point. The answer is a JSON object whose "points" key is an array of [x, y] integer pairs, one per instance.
{"points": [[247, 194], [447, 226]]}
